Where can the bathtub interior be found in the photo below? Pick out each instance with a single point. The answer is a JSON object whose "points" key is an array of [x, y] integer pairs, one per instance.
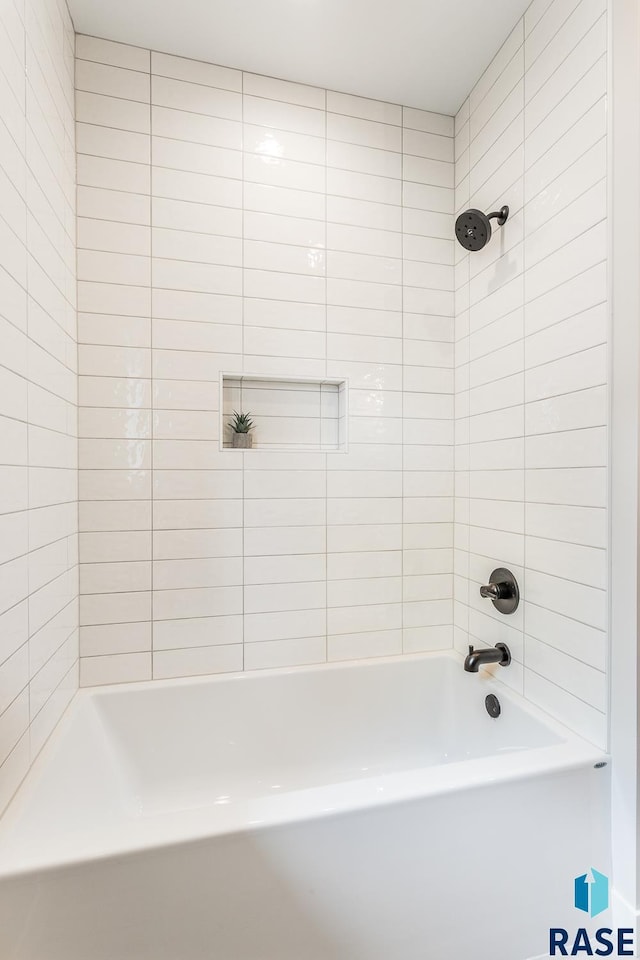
{"points": [[254, 735]]}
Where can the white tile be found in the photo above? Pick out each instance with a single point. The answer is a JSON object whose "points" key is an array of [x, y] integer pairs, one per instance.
{"points": [[191, 216], [107, 639], [437, 173], [576, 372], [367, 133], [272, 285], [285, 653], [272, 145], [115, 668], [193, 543], [196, 98], [106, 204], [115, 54], [195, 71], [359, 591], [265, 198], [112, 112], [196, 661], [586, 408], [196, 602], [111, 81], [197, 632], [354, 646], [429, 145], [291, 174], [294, 569], [197, 277], [261, 255], [284, 625], [283, 484], [196, 187], [427, 122], [275, 228], [364, 160], [196, 127], [580, 525], [571, 561], [426, 638], [365, 109], [578, 486], [103, 141], [113, 175], [283, 90], [345, 538], [197, 158], [355, 266], [362, 213], [114, 268], [286, 116], [358, 173], [273, 597]]}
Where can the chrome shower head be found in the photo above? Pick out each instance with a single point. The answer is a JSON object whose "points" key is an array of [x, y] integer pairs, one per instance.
{"points": [[473, 227]]}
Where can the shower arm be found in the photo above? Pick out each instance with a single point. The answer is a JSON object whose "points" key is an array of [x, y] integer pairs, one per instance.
{"points": [[499, 215]]}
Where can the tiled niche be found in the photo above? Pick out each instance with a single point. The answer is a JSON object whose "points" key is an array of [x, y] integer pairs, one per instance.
{"points": [[299, 414]]}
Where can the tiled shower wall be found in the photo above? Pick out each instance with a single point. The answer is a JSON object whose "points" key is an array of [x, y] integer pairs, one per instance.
{"points": [[531, 359], [38, 414], [231, 222]]}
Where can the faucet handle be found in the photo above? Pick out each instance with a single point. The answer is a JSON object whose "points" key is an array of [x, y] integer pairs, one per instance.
{"points": [[502, 590], [493, 591]]}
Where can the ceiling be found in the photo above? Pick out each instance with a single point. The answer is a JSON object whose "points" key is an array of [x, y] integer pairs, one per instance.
{"points": [[423, 53]]}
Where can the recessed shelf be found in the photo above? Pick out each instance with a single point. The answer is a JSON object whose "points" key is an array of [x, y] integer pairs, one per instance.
{"points": [[294, 415]]}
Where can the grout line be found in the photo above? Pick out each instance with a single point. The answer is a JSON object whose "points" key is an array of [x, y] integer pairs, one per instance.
{"points": [[347, 413], [151, 378], [243, 319]]}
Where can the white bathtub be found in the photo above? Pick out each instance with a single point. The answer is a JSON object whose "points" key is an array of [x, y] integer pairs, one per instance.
{"points": [[369, 811]]}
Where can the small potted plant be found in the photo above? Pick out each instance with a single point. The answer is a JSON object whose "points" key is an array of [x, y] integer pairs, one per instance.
{"points": [[241, 426]]}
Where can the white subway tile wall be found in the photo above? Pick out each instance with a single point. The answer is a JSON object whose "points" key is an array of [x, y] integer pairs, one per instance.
{"points": [[38, 371], [231, 222], [531, 360]]}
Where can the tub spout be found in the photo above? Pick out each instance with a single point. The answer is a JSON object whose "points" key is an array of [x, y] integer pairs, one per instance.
{"points": [[477, 658]]}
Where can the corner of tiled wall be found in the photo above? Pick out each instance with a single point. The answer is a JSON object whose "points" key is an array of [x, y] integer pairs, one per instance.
{"points": [[38, 369], [531, 368]]}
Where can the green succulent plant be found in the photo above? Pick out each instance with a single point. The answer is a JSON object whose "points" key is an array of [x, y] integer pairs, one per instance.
{"points": [[241, 422]]}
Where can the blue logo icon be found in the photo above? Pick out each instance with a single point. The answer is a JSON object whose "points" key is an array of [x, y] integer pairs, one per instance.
{"points": [[592, 892]]}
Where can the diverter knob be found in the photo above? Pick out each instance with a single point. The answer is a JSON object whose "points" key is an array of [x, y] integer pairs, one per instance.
{"points": [[502, 590]]}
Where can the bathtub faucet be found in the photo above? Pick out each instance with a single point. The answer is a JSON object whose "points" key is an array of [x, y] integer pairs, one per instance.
{"points": [[476, 658]]}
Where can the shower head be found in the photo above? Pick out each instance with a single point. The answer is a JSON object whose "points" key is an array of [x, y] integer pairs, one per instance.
{"points": [[473, 227]]}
